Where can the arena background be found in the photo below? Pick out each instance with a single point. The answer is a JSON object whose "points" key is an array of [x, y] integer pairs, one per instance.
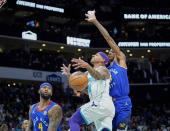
{"points": [[37, 37]]}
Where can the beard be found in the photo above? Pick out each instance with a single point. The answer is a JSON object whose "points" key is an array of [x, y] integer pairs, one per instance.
{"points": [[46, 97]]}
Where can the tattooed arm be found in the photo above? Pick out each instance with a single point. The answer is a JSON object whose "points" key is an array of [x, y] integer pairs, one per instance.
{"points": [[120, 55], [55, 116], [102, 73], [30, 123]]}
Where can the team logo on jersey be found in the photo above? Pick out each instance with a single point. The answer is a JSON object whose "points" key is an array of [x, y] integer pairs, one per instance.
{"points": [[33, 111], [35, 120], [45, 112], [126, 104], [115, 71]]}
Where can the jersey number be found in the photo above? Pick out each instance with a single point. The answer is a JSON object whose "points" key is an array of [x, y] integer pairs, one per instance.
{"points": [[40, 126], [110, 78]]}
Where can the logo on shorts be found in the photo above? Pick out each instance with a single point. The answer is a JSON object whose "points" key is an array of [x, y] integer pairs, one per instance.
{"points": [[122, 125], [126, 104], [93, 104]]}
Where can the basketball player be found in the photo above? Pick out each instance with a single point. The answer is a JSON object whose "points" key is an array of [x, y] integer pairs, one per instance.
{"points": [[119, 85], [45, 115], [100, 109]]}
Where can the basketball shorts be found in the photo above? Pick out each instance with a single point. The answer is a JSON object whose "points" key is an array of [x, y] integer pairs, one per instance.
{"points": [[123, 114], [99, 112]]}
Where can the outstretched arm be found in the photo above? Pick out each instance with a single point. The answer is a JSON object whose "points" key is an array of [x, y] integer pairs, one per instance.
{"points": [[66, 70], [30, 123], [92, 18], [55, 116], [103, 73]]}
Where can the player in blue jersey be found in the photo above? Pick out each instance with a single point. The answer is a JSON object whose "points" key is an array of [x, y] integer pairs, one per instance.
{"points": [[119, 85], [45, 115]]}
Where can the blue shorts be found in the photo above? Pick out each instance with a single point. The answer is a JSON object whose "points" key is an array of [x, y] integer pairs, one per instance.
{"points": [[122, 113]]}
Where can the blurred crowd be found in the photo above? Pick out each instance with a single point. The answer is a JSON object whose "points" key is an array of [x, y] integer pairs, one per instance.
{"points": [[151, 117], [33, 60], [149, 71], [16, 99]]}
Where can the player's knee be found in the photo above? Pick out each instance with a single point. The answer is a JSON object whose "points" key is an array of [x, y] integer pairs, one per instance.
{"points": [[105, 129]]}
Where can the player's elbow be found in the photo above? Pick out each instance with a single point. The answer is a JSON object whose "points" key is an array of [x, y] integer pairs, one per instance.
{"points": [[121, 56]]}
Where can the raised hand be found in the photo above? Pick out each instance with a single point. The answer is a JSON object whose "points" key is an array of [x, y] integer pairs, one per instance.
{"points": [[90, 16], [66, 70], [79, 63]]}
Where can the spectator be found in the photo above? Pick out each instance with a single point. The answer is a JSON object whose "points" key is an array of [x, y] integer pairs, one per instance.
{"points": [[24, 125], [4, 127]]}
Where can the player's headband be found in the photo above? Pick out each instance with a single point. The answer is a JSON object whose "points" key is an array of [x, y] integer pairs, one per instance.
{"points": [[104, 56], [46, 84]]}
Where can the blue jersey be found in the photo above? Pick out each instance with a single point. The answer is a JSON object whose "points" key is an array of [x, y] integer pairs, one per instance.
{"points": [[40, 117], [119, 90], [119, 83]]}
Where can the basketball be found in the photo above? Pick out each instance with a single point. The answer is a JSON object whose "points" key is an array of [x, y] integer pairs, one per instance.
{"points": [[78, 81]]}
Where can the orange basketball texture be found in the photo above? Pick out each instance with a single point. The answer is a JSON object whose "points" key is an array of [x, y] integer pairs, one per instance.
{"points": [[78, 80]]}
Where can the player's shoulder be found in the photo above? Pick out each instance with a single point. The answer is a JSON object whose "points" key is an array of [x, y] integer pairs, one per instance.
{"points": [[56, 106], [54, 109], [104, 71], [102, 68], [31, 106]]}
